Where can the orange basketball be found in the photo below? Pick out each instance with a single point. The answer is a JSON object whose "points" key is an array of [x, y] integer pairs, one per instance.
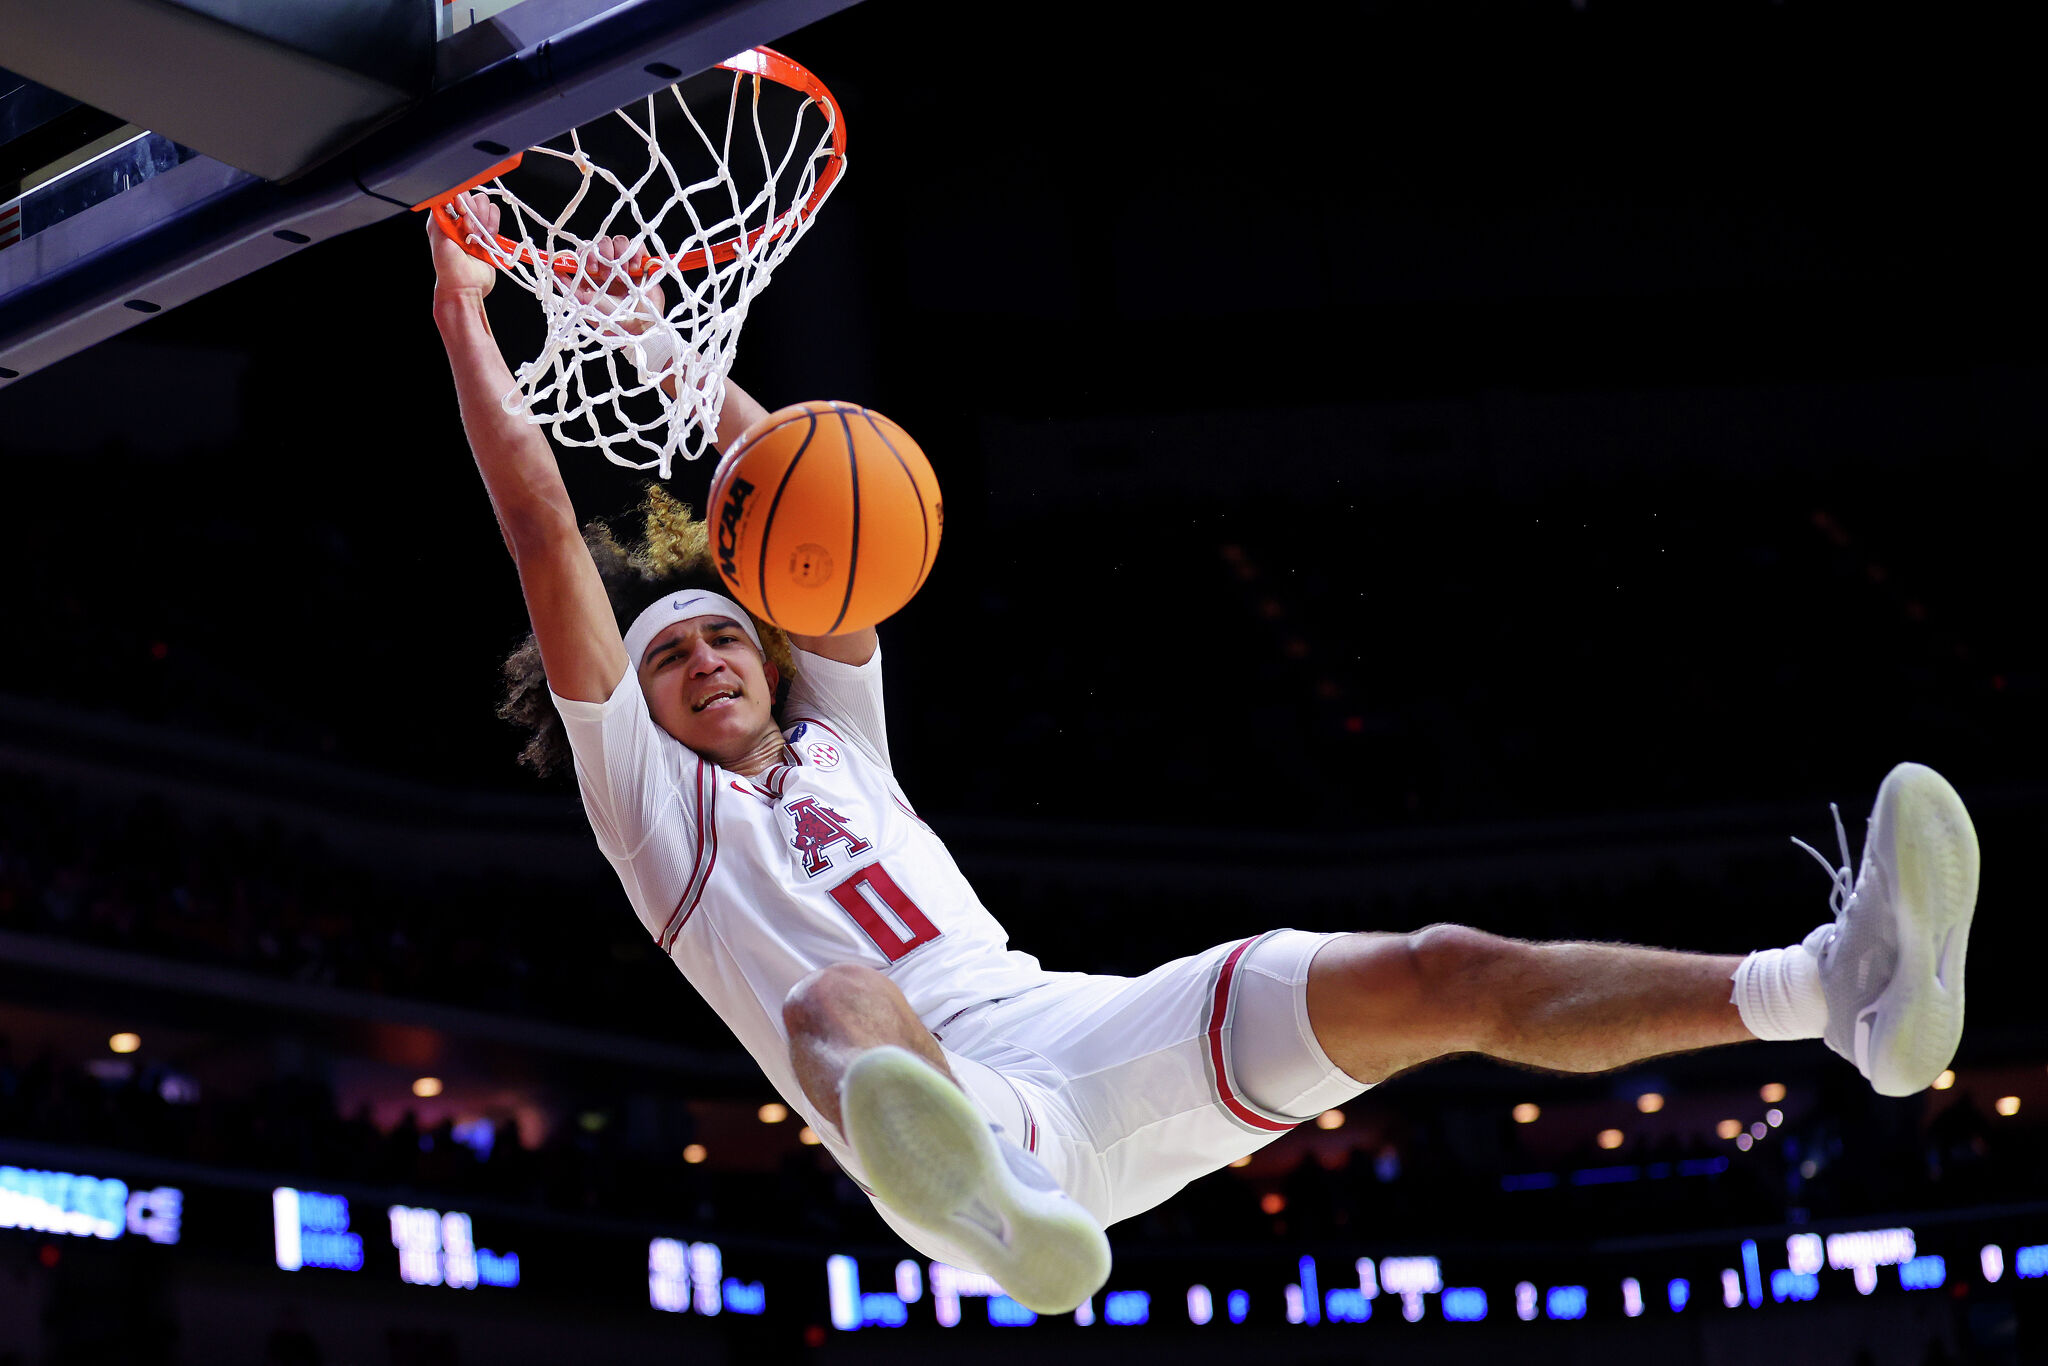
{"points": [[825, 518]]}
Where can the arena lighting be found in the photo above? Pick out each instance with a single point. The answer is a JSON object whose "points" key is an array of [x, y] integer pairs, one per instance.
{"points": [[1632, 1297], [1610, 1139], [1464, 1304], [1201, 1307], [1744, 1141], [1525, 1301], [808, 1137], [1728, 1128], [440, 1249], [1127, 1307], [1649, 1102], [1310, 1290], [2007, 1105], [1526, 1113], [850, 1309], [1790, 1286], [1004, 1312], [1330, 1119], [1272, 1202], [1245, 1161], [1945, 1080], [310, 1229], [1991, 1260], [1771, 1092], [1237, 1304], [1565, 1302], [1774, 1117], [1805, 1253], [1678, 1293], [124, 1043], [1923, 1273], [426, 1088], [1347, 1305], [774, 1112], [1411, 1278], [1759, 1130], [668, 1276], [1864, 1252], [1752, 1274], [909, 1281], [80, 1206], [949, 1285], [693, 1153]]}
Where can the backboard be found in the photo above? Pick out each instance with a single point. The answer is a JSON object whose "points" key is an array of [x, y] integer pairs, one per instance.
{"points": [[104, 221]]}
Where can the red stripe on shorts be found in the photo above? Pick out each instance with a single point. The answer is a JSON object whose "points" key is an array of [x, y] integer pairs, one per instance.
{"points": [[1218, 1011]]}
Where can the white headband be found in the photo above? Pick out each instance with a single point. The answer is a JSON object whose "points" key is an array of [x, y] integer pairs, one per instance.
{"points": [[674, 607]]}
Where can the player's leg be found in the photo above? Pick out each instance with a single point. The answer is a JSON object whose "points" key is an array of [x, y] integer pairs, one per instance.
{"points": [[926, 1150], [1883, 982], [836, 1014], [1382, 1003]]}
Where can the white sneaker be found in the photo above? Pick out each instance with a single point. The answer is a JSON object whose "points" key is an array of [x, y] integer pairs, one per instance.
{"points": [[931, 1157], [1891, 962]]}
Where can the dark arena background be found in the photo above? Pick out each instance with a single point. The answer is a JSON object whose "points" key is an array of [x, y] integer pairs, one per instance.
{"points": [[1503, 463]]}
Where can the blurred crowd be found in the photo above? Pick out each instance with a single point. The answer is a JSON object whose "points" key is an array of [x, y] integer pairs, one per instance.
{"points": [[1412, 1178]]}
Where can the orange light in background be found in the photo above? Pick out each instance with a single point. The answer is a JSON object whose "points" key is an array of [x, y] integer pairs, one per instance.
{"points": [[426, 1088], [774, 1112], [1772, 1092], [808, 1137], [1525, 1113], [1728, 1128], [1610, 1139], [1945, 1080], [2007, 1105], [1272, 1202], [1244, 1161], [125, 1043], [694, 1153], [1649, 1102], [1330, 1119]]}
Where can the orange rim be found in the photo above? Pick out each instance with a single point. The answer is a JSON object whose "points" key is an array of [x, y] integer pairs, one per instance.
{"points": [[760, 61]]}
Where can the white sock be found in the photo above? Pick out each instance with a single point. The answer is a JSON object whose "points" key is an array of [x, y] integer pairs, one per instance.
{"points": [[1778, 993]]}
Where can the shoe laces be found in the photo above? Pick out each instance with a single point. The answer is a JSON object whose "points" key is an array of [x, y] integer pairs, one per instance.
{"points": [[1843, 878]]}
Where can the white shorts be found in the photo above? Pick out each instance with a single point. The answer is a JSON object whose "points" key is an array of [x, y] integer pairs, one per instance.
{"points": [[1125, 1087]]}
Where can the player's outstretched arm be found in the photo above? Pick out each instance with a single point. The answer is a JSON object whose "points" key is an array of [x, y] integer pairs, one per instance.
{"points": [[565, 599]]}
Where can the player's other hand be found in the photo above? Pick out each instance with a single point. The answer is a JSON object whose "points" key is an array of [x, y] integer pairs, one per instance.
{"points": [[454, 268], [614, 282]]}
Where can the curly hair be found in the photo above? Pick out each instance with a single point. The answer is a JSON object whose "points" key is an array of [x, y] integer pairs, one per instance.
{"points": [[673, 553]]}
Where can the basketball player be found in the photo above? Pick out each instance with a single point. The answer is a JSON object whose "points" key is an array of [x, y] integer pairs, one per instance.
{"points": [[1000, 1114]]}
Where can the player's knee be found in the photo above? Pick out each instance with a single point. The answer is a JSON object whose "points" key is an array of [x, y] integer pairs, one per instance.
{"points": [[829, 994], [1456, 972]]}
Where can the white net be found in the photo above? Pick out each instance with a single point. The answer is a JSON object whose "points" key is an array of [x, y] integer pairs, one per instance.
{"points": [[634, 362]]}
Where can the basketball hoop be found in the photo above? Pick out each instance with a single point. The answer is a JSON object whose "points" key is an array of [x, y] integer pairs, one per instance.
{"points": [[613, 339]]}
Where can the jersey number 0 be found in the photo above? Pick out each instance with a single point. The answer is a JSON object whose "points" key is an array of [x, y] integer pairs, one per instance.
{"points": [[878, 906]]}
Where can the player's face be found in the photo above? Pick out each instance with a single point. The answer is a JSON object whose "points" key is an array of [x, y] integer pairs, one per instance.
{"points": [[709, 687]]}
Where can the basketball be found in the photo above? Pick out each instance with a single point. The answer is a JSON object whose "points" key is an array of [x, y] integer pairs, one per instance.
{"points": [[825, 518]]}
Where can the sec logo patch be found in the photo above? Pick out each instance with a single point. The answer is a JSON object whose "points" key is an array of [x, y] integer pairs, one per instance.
{"points": [[820, 755]]}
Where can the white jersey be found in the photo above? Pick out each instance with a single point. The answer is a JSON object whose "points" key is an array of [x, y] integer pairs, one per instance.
{"points": [[749, 884]]}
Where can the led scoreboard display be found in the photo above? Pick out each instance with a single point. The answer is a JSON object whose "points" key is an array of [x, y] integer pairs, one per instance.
{"points": [[420, 1246]]}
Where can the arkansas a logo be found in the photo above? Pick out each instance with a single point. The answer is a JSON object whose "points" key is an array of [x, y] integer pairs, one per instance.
{"points": [[818, 828]]}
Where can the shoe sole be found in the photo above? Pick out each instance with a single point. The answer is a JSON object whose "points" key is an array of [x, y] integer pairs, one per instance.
{"points": [[928, 1154], [1919, 1016]]}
